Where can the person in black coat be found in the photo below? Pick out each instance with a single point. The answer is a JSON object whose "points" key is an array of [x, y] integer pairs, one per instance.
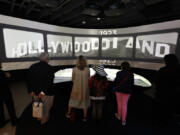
{"points": [[40, 84], [168, 87], [123, 85], [6, 97]]}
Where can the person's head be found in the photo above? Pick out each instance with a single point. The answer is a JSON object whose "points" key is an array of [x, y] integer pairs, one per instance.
{"points": [[99, 69], [81, 62], [125, 65], [44, 57], [170, 60]]}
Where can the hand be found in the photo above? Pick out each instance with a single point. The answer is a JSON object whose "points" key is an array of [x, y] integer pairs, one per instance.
{"points": [[35, 98], [32, 94], [41, 95], [8, 75]]}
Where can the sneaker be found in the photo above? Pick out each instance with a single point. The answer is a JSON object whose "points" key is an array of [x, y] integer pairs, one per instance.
{"points": [[67, 115], [85, 119], [116, 115], [124, 123]]}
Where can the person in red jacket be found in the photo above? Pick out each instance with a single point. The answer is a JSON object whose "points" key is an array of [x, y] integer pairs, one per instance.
{"points": [[98, 85]]}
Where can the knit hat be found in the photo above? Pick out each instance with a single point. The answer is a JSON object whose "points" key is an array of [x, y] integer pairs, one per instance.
{"points": [[99, 70]]}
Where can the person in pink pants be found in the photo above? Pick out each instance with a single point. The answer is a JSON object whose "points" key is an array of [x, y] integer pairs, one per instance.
{"points": [[123, 85]]}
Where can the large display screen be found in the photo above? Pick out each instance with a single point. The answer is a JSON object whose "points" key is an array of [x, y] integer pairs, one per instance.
{"points": [[156, 45], [118, 47], [59, 46], [87, 46], [19, 44]]}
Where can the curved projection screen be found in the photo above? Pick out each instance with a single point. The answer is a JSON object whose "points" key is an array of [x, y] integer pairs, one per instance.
{"points": [[142, 46], [19, 44], [117, 47], [59, 46]]}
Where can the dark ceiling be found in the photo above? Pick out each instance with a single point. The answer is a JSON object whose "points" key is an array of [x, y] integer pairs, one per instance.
{"points": [[93, 13]]}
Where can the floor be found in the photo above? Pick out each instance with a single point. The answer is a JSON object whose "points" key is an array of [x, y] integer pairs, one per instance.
{"points": [[20, 94], [140, 118], [140, 115]]}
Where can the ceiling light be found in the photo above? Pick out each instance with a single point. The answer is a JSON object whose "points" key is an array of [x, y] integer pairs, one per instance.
{"points": [[98, 18]]}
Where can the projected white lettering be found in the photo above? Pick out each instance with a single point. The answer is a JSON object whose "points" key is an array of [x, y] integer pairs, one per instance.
{"points": [[20, 43], [153, 48], [87, 46], [150, 47], [108, 32], [26, 48], [65, 47]]}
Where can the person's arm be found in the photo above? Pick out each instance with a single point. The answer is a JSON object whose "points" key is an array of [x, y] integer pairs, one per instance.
{"points": [[8, 75], [158, 80], [132, 79], [30, 82], [116, 80], [73, 75], [106, 85], [90, 82], [88, 73], [56, 68], [3, 78]]}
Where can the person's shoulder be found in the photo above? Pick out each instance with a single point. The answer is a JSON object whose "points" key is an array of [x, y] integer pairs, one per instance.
{"points": [[1, 71], [119, 72], [131, 74], [74, 68], [33, 65], [87, 68], [92, 77]]}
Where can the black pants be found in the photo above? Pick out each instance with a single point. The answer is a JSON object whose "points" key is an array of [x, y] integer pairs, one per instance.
{"points": [[97, 109], [8, 101]]}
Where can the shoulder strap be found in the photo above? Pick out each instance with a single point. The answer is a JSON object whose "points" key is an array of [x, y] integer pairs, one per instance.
{"points": [[125, 78]]}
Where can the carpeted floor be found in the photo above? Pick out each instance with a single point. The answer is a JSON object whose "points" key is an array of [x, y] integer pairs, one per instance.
{"points": [[139, 120]]}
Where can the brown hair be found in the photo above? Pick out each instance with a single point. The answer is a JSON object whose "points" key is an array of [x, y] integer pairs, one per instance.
{"points": [[81, 62], [125, 65]]}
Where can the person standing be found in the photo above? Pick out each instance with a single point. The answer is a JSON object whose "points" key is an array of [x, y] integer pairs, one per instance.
{"points": [[40, 84], [98, 85], [168, 89], [123, 85], [6, 97], [79, 97]]}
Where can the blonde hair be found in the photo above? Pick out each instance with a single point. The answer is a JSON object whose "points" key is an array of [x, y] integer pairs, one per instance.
{"points": [[81, 62]]}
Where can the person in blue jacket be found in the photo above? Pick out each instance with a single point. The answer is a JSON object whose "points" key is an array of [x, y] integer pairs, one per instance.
{"points": [[123, 85]]}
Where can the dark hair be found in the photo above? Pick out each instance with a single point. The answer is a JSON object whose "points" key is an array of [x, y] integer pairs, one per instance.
{"points": [[171, 60], [125, 65]]}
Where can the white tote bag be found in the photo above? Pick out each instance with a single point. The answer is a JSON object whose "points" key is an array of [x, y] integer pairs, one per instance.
{"points": [[37, 109]]}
